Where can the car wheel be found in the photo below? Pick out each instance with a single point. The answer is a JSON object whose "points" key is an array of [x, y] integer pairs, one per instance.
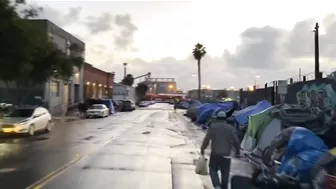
{"points": [[31, 130], [48, 127]]}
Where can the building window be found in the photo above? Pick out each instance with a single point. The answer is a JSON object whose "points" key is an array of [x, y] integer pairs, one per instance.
{"points": [[55, 89]]}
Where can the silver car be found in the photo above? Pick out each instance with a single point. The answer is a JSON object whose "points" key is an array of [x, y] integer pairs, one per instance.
{"points": [[26, 121]]}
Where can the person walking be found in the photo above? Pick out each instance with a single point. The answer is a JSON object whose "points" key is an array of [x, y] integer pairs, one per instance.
{"points": [[175, 104], [223, 139]]}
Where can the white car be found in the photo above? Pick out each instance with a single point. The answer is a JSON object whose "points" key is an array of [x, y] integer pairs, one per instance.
{"points": [[97, 110], [26, 121], [144, 104]]}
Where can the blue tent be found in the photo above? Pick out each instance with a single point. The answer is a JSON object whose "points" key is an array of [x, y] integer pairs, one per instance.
{"points": [[241, 117], [109, 104], [207, 110], [306, 148]]}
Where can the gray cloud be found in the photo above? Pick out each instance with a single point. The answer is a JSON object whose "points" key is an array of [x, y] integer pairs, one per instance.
{"points": [[260, 48], [269, 48], [102, 23], [125, 39], [62, 20], [120, 23], [269, 52]]}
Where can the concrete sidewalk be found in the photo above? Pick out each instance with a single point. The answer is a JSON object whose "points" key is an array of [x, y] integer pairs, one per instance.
{"points": [[196, 134]]}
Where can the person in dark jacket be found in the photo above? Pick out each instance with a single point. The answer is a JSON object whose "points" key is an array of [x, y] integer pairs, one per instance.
{"points": [[223, 138], [82, 107]]}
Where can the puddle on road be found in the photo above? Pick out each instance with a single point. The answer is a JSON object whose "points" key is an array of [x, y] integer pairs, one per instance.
{"points": [[146, 133], [173, 130], [88, 138], [33, 139]]}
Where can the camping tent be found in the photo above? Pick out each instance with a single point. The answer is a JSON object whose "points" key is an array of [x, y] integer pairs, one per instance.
{"points": [[242, 116], [193, 109], [206, 111], [257, 124], [263, 127]]}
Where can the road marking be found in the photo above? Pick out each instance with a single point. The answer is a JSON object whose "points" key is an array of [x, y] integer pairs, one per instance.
{"points": [[42, 182], [51, 176]]}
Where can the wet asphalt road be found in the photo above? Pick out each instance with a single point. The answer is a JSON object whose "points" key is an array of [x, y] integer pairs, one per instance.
{"points": [[148, 148]]}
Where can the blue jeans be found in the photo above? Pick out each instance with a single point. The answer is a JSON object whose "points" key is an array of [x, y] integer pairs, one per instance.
{"points": [[222, 164]]}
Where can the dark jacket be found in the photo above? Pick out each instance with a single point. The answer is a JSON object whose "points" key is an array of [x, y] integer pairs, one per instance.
{"points": [[222, 137]]}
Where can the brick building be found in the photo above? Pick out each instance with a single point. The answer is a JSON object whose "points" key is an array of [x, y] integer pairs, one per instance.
{"points": [[97, 83]]}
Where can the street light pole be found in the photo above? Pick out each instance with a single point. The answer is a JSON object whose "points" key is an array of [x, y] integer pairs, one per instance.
{"points": [[125, 65], [317, 53]]}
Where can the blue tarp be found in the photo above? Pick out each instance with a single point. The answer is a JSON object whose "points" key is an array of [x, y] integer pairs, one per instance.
{"points": [[306, 148], [241, 116], [193, 103], [206, 110], [109, 104]]}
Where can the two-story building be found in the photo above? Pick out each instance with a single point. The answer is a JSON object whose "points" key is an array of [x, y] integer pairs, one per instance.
{"points": [[58, 92], [97, 83]]}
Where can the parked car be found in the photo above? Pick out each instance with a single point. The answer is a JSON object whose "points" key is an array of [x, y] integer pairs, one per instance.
{"points": [[128, 105], [118, 105], [97, 110], [26, 121], [144, 104]]}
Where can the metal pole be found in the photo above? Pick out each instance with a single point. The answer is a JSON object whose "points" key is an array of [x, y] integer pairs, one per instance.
{"points": [[317, 55], [125, 71]]}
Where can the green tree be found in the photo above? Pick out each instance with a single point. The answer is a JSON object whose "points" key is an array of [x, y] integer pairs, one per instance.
{"points": [[128, 80], [198, 53], [27, 56], [141, 90]]}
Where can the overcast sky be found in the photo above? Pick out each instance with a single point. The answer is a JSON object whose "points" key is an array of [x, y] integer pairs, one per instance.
{"points": [[244, 39]]}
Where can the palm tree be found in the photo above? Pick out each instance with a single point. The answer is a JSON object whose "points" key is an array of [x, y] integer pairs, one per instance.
{"points": [[199, 52]]}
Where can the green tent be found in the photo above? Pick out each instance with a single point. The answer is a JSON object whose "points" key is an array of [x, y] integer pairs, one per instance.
{"points": [[256, 125]]}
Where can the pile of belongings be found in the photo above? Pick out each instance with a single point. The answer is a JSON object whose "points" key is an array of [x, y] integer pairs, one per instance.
{"points": [[193, 109], [185, 104], [300, 149], [265, 125], [324, 171]]}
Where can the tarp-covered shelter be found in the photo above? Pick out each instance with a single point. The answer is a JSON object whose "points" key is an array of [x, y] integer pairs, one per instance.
{"points": [[241, 117], [264, 126], [206, 110]]}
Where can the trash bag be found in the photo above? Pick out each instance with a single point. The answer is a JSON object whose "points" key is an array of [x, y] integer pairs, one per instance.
{"points": [[201, 166]]}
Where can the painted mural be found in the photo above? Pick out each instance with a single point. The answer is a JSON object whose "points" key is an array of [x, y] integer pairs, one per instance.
{"points": [[320, 96]]}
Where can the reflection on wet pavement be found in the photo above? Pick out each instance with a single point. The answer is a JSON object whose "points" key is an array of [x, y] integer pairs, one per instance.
{"points": [[145, 156], [144, 149]]}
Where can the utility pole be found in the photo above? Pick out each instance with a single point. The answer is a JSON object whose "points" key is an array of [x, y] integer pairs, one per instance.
{"points": [[317, 53], [125, 67]]}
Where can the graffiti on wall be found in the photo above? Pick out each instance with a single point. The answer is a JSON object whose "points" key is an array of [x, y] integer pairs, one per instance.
{"points": [[320, 96]]}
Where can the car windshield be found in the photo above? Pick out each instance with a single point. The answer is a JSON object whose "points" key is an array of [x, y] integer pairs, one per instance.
{"points": [[21, 113], [97, 107]]}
